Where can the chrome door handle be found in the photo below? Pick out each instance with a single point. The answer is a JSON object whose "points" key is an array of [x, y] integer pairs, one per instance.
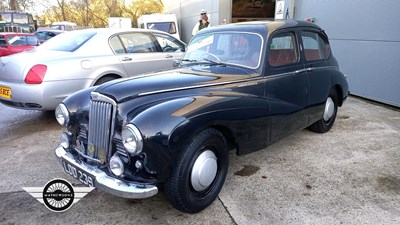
{"points": [[300, 71], [168, 56], [126, 59]]}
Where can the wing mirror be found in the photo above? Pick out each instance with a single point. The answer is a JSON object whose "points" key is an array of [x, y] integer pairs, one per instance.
{"points": [[176, 63]]}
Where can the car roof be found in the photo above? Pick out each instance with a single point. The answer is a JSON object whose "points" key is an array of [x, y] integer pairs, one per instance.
{"points": [[261, 26], [119, 30], [15, 33], [281, 23], [50, 30]]}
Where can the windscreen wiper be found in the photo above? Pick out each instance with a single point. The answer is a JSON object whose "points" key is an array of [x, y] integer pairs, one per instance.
{"points": [[189, 60], [214, 62]]}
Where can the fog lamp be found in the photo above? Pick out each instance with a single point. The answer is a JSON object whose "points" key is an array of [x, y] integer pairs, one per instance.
{"points": [[116, 165], [65, 140]]}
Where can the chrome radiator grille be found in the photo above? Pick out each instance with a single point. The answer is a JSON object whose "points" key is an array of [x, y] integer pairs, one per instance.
{"points": [[101, 127]]}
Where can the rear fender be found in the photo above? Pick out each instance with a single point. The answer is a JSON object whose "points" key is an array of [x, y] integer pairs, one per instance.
{"points": [[339, 82]]}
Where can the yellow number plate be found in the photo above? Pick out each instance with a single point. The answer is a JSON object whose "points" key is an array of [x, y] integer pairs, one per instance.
{"points": [[5, 92]]}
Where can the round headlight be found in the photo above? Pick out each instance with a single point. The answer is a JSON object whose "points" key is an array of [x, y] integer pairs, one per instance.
{"points": [[62, 114], [132, 139], [116, 165]]}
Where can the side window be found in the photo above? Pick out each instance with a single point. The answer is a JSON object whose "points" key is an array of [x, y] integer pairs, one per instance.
{"points": [[3, 42], [31, 40], [41, 35], [315, 47], [50, 35], [17, 40], [283, 50], [168, 27], [169, 44], [138, 43], [117, 46]]}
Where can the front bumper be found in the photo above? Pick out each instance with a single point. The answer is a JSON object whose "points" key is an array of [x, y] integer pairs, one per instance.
{"points": [[107, 183]]}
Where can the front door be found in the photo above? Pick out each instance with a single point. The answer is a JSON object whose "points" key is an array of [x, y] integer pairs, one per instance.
{"points": [[286, 85], [139, 53]]}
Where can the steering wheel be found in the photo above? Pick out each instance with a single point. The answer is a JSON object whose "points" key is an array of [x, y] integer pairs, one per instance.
{"points": [[167, 48], [207, 54]]}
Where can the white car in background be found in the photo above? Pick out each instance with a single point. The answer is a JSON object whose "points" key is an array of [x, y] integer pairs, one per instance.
{"points": [[43, 77]]}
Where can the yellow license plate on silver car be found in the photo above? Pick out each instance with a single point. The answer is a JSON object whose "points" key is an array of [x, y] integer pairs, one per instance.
{"points": [[5, 92]]}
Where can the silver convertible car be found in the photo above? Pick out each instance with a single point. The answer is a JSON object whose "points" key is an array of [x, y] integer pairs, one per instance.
{"points": [[69, 62]]}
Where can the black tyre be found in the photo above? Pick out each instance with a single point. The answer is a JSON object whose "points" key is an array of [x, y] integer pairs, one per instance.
{"points": [[200, 172], [328, 119], [104, 80]]}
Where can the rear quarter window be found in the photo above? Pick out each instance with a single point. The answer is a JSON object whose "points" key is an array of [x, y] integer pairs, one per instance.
{"points": [[68, 41], [315, 46]]}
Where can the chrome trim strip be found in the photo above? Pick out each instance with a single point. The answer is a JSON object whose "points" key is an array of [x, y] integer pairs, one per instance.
{"points": [[86, 157], [199, 86], [107, 183], [229, 82], [95, 96], [300, 71]]}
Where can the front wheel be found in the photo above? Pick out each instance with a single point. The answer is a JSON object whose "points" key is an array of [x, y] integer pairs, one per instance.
{"points": [[328, 119], [200, 172]]}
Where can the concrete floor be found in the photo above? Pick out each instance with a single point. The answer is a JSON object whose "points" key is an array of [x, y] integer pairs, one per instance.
{"points": [[350, 175]]}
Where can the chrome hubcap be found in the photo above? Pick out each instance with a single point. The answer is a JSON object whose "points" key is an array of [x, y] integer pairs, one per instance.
{"points": [[329, 109], [204, 170]]}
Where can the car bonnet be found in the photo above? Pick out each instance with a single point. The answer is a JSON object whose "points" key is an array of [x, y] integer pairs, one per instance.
{"points": [[173, 80]]}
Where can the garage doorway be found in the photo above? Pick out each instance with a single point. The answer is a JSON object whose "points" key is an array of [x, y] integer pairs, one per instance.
{"points": [[252, 10]]}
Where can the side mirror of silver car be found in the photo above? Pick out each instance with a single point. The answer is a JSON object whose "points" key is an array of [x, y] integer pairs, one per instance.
{"points": [[176, 63]]}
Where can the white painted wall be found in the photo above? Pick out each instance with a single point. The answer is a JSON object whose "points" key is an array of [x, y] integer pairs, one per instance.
{"points": [[365, 39], [188, 13]]}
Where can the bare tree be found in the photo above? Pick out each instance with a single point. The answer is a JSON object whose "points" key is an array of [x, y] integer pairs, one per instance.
{"points": [[14, 5], [26, 4], [62, 5]]}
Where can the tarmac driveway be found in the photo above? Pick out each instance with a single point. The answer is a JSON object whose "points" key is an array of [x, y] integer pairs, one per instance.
{"points": [[350, 175]]}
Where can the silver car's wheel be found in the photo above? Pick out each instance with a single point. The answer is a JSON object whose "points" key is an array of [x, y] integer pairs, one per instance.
{"points": [[105, 80]]}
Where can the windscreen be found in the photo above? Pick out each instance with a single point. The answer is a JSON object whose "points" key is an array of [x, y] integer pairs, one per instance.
{"points": [[168, 27], [22, 40], [5, 18], [20, 18], [242, 49], [68, 41]]}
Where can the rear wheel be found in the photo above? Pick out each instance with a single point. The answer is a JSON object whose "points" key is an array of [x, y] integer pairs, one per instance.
{"points": [[325, 124], [200, 172], [104, 80]]}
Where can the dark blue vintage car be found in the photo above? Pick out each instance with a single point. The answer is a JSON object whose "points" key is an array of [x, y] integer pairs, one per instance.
{"points": [[240, 87]]}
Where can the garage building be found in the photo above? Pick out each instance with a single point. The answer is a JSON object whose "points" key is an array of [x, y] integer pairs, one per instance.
{"points": [[364, 35]]}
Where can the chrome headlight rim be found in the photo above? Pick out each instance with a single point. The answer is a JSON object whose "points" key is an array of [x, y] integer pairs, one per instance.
{"points": [[133, 143], [62, 114]]}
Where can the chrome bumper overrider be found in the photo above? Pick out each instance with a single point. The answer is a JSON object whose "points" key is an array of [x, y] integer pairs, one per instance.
{"points": [[109, 184]]}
